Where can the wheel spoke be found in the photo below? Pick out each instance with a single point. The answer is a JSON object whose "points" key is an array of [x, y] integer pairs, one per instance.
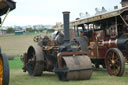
{"points": [[109, 60], [117, 58], [113, 55], [110, 54]]}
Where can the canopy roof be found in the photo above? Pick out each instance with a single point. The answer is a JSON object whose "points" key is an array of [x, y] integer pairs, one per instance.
{"points": [[99, 17], [5, 5]]}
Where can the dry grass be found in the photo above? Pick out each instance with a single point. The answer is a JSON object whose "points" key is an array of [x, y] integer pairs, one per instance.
{"points": [[16, 45]]}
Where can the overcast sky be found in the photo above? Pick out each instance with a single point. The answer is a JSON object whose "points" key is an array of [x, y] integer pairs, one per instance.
{"points": [[31, 12]]}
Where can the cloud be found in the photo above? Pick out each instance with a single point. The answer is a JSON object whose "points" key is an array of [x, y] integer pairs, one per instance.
{"points": [[29, 12], [31, 20]]}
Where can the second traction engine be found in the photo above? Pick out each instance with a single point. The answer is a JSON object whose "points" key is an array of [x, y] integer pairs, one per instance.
{"points": [[59, 55]]}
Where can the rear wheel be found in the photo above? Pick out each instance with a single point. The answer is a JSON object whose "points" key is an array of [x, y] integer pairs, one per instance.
{"points": [[4, 70], [115, 62], [34, 63]]}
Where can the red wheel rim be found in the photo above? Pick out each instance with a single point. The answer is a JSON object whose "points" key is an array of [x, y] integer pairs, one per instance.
{"points": [[113, 63]]}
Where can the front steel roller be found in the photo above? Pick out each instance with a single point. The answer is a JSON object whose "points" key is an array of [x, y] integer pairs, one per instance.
{"points": [[34, 60], [4, 70], [78, 68]]}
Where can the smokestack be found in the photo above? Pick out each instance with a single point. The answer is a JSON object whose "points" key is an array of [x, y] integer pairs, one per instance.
{"points": [[66, 25]]}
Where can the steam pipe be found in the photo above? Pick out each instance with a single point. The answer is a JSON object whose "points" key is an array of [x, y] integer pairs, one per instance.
{"points": [[66, 15]]}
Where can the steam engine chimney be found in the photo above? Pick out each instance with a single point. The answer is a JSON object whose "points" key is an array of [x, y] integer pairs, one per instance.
{"points": [[66, 26]]}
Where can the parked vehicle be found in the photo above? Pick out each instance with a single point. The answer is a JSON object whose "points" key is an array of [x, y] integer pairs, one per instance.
{"points": [[105, 38], [59, 55]]}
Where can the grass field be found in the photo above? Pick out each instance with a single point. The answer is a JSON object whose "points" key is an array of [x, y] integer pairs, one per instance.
{"points": [[17, 45], [18, 77]]}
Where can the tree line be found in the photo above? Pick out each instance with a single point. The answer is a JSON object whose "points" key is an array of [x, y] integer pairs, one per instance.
{"points": [[12, 30]]}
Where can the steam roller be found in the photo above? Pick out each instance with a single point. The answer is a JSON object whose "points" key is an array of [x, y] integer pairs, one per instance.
{"points": [[58, 54]]}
